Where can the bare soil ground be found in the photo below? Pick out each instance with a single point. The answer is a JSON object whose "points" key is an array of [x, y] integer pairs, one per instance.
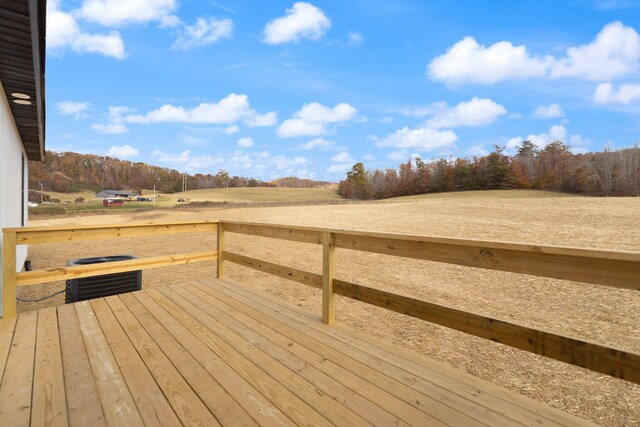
{"points": [[598, 313]]}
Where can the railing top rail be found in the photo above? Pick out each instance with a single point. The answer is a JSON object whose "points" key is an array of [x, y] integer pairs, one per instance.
{"points": [[609, 254], [30, 229]]}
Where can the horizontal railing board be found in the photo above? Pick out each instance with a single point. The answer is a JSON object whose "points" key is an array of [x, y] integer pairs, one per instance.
{"points": [[525, 247], [296, 234], [600, 271], [300, 276], [614, 362], [79, 271], [37, 235], [610, 268]]}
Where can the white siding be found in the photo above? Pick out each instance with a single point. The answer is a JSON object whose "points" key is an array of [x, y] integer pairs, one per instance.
{"points": [[12, 205]]}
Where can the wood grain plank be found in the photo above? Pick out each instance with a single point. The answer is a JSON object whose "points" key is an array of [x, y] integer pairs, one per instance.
{"points": [[340, 384], [283, 398], [308, 391], [296, 234], [49, 406], [78, 271], [8, 275], [220, 247], [300, 276], [118, 405], [387, 359], [610, 361], [218, 400], [351, 342], [152, 404], [328, 274], [407, 403], [17, 382], [611, 269], [7, 328], [603, 267], [256, 405], [83, 401], [38, 235], [186, 404]]}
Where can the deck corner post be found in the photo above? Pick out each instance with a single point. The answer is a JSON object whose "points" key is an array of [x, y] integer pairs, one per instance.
{"points": [[220, 270], [8, 274], [328, 274]]}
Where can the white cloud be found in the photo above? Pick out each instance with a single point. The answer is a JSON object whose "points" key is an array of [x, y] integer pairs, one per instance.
{"points": [[343, 157], [297, 127], [228, 110], [75, 109], [477, 150], [186, 161], [311, 119], [110, 128], [625, 94], [555, 133], [261, 164], [469, 62], [318, 143], [230, 130], [340, 168], [476, 112], [342, 162], [204, 32], [245, 142], [63, 33], [260, 120], [614, 53], [116, 118], [303, 20], [123, 151], [423, 139], [355, 39], [551, 111], [123, 12]]}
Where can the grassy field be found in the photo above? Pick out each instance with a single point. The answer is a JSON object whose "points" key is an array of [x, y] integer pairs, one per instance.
{"points": [[254, 195], [595, 313], [270, 195]]}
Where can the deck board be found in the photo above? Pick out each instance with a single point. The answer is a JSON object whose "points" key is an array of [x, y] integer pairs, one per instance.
{"points": [[49, 406], [214, 352], [83, 404]]}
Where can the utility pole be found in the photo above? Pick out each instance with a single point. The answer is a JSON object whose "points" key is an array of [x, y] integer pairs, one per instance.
{"points": [[41, 193]]}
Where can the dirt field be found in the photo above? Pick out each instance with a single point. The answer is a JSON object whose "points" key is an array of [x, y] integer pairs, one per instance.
{"points": [[602, 314]]}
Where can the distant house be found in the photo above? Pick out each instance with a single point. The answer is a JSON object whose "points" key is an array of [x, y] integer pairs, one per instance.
{"points": [[22, 108], [116, 194]]}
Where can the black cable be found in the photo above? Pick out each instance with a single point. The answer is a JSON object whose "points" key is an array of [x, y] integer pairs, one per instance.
{"points": [[39, 299]]}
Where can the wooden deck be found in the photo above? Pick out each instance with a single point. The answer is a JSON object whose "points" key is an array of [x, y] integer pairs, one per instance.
{"points": [[219, 353]]}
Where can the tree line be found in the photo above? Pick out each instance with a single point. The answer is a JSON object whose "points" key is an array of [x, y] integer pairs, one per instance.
{"points": [[554, 167], [69, 172]]}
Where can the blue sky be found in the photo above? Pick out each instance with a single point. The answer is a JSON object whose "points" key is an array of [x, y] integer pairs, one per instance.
{"points": [[268, 89]]}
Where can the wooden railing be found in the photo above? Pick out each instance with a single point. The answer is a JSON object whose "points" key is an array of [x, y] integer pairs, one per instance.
{"points": [[38, 235], [609, 268]]}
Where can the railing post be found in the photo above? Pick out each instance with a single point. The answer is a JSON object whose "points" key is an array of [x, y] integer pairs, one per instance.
{"points": [[220, 250], [8, 274], [328, 274]]}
